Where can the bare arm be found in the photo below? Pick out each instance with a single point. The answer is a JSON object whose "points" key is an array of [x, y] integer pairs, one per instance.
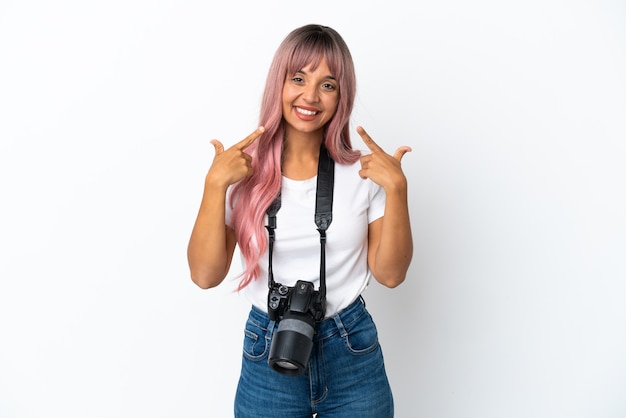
{"points": [[390, 238], [212, 243]]}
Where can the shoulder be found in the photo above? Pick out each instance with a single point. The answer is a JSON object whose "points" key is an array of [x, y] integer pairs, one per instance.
{"points": [[347, 177], [348, 167]]}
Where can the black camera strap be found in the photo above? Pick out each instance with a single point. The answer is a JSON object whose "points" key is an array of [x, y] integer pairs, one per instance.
{"points": [[323, 215]]}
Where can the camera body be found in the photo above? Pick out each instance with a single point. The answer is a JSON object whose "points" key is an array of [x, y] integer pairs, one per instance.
{"points": [[301, 298], [297, 309]]}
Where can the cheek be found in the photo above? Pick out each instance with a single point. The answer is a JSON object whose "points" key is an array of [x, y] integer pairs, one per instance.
{"points": [[285, 107], [286, 97], [332, 107], [286, 103], [332, 101]]}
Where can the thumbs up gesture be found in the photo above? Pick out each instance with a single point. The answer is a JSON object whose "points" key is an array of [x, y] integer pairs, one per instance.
{"points": [[380, 167]]}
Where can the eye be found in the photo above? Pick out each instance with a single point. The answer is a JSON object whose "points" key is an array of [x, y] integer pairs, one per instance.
{"points": [[297, 79], [329, 86]]}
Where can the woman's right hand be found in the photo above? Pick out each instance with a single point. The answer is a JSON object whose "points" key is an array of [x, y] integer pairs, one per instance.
{"points": [[231, 165]]}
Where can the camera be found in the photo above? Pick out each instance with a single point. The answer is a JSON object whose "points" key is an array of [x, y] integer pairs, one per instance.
{"points": [[296, 309]]}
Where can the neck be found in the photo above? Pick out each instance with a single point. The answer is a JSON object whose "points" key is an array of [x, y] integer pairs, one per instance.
{"points": [[300, 156]]}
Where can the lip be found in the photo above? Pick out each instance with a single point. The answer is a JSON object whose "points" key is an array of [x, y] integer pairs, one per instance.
{"points": [[304, 116]]}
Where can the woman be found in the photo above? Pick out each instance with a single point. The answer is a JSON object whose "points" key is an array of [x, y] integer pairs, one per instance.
{"points": [[306, 107]]}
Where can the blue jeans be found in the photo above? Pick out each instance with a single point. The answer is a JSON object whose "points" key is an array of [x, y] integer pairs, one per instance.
{"points": [[345, 377]]}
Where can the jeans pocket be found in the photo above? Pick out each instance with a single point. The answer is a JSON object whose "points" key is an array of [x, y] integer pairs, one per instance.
{"points": [[255, 345], [361, 336]]}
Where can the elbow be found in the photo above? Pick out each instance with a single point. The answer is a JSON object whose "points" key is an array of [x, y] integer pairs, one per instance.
{"points": [[202, 284], [204, 280], [391, 275], [391, 281], [390, 278], [394, 283]]}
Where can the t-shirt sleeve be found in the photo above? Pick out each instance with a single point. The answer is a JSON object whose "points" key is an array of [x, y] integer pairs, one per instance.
{"points": [[377, 202], [229, 209]]}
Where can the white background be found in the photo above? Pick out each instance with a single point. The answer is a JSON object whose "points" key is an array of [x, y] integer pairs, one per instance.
{"points": [[515, 301]]}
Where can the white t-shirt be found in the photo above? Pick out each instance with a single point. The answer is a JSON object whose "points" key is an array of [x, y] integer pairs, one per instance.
{"points": [[356, 203]]}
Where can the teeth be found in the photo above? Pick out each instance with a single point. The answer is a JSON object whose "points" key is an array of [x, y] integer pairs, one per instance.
{"points": [[305, 112]]}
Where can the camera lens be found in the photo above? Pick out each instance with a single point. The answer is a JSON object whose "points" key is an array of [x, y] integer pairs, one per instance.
{"points": [[292, 344], [285, 365]]}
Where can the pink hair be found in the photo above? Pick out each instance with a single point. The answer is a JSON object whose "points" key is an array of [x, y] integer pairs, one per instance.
{"points": [[251, 197]]}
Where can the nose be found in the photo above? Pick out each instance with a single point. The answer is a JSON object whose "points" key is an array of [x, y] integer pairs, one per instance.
{"points": [[310, 93]]}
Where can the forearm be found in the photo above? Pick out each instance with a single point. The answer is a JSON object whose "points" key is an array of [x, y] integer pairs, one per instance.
{"points": [[208, 252], [395, 246]]}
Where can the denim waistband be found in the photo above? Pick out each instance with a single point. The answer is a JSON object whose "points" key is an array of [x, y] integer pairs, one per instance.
{"points": [[327, 327]]}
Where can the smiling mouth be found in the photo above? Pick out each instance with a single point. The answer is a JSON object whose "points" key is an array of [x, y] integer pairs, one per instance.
{"points": [[306, 112]]}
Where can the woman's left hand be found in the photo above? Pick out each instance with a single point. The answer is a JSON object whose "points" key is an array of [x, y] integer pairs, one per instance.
{"points": [[380, 167]]}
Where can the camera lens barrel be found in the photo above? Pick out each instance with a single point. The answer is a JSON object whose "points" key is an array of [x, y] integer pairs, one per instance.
{"points": [[292, 344]]}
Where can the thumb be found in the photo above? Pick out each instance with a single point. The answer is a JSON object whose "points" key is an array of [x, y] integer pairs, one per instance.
{"points": [[400, 152], [219, 147]]}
